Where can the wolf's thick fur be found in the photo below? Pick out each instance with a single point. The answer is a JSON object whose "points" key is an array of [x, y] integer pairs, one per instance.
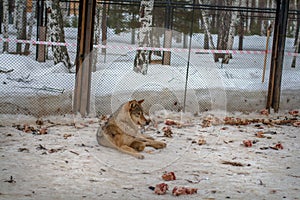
{"points": [[122, 130]]}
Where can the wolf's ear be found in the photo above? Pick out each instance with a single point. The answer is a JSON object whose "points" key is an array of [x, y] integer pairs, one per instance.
{"points": [[132, 103], [141, 101]]}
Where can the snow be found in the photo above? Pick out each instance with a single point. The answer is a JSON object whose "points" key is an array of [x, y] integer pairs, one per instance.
{"points": [[67, 162]]}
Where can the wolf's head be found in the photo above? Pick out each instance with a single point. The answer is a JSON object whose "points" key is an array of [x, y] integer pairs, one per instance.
{"points": [[137, 114]]}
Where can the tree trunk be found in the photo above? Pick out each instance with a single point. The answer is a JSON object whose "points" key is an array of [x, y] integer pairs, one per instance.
{"points": [[205, 20], [104, 29], [241, 25], [223, 32], [296, 42], [97, 39], [297, 25], [297, 50], [31, 22], [253, 20], [133, 27], [260, 21], [206, 39], [21, 24], [141, 60], [5, 25], [247, 17], [231, 33], [241, 31], [57, 34], [185, 40], [1, 15], [15, 12]]}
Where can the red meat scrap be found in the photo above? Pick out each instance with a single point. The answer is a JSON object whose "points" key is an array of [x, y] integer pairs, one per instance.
{"points": [[168, 176], [183, 190], [161, 188], [247, 143]]}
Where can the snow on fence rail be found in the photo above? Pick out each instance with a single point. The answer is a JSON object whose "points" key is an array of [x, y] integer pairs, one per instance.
{"points": [[128, 47]]}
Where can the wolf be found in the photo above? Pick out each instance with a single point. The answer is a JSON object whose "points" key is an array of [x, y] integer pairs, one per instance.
{"points": [[121, 131]]}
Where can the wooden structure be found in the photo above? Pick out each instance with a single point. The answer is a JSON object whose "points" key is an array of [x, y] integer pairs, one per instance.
{"points": [[166, 58], [84, 58], [274, 90], [41, 30]]}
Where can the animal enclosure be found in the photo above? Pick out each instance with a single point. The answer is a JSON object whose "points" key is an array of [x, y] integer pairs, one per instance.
{"points": [[206, 71], [190, 64]]}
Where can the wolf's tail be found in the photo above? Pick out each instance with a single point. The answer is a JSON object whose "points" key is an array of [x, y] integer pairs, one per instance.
{"points": [[99, 135], [101, 139]]}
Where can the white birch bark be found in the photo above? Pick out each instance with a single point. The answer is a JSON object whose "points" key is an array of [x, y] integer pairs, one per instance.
{"points": [[16, 13], [31, 22], [232, 30], [57, 34], [98, 19], [5, 25], [141, 60], [21, 23], [206, 27]]}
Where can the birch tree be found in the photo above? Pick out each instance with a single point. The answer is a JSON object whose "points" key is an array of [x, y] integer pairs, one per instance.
{"points": [[5, 25], [232, 31], [97, 35], [57, 34], [205, 21], [15, 13], [31, 22], [141, 60], [20, 23], [223, 31]]}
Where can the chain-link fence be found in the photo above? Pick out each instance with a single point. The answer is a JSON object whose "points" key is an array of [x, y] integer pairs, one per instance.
{"points": [[193, 63]]}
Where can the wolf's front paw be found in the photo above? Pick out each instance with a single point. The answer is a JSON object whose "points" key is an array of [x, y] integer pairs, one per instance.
{"points": [[159, 145], [140, 156]]}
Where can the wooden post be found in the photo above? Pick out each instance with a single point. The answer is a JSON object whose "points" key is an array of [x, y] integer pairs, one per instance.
{"points": [[81, 101], [166, 59], [266, 54], [41, 31], [274, 90], [41, 54], [167, 44]]}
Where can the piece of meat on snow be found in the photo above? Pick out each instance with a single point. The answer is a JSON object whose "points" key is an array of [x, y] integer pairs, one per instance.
{"points": [[168, 176], [183, 190], [161, 188]]}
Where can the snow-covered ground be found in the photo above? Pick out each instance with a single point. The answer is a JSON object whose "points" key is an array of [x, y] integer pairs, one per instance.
{"points": [[204, 153]]}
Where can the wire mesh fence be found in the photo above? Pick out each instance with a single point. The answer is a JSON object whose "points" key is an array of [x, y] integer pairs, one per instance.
{"points": [[190, 66]]}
